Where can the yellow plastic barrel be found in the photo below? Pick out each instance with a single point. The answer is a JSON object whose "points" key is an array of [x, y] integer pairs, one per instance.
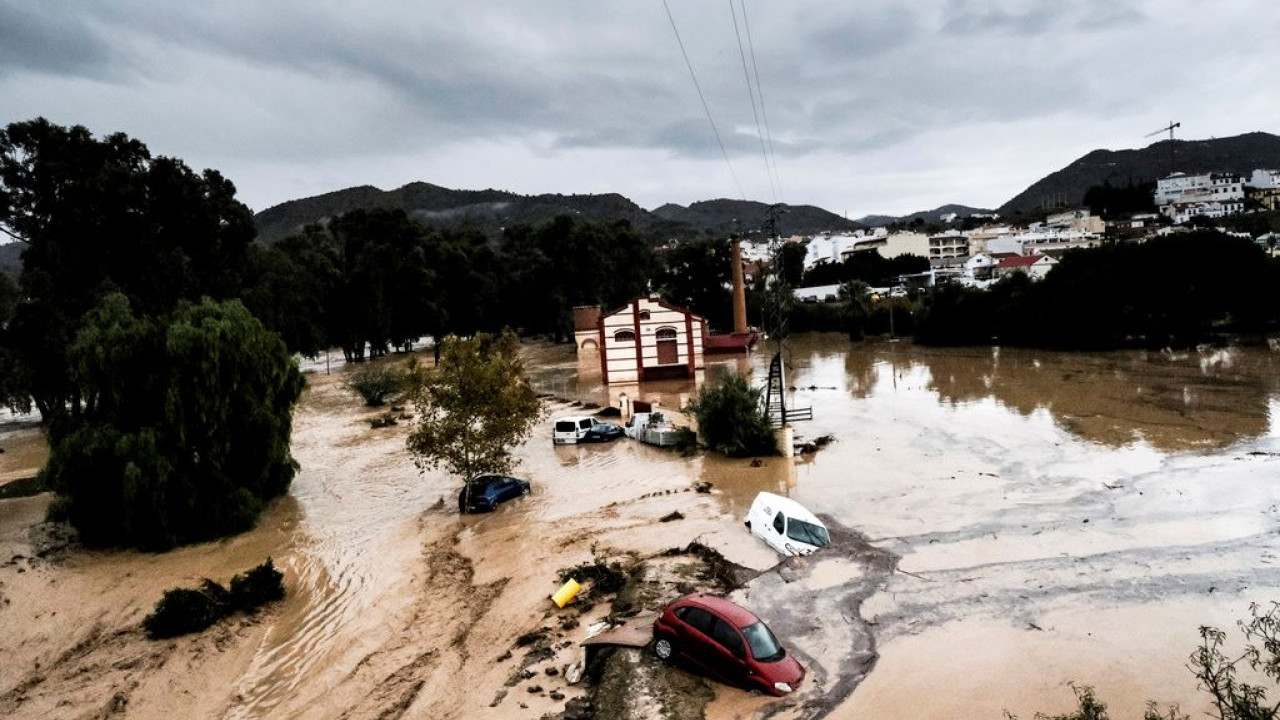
{"points": [[566, 593]]}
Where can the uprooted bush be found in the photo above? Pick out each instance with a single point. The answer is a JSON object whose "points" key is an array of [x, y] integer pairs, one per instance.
{"points": [[605, 576], [187, 610]]}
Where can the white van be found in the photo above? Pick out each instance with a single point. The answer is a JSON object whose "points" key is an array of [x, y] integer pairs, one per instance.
{"points": [[569, 430], [785, 525]]}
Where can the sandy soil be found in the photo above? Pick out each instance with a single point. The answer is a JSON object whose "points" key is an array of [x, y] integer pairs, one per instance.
{"points": [[1000, 536]]}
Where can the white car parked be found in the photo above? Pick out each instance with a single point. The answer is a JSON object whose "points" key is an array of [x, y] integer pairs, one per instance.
{"points": [[785, 525]]}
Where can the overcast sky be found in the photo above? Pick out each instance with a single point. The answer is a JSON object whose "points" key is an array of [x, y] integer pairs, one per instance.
{"points": [[873, 107]]}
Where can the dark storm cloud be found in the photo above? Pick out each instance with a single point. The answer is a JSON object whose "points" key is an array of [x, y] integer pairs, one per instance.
{"points": [[317, 90], [50, 41]]}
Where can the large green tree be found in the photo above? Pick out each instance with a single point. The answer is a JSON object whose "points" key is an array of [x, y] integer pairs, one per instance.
{"points": [[475, 408], [184, 429], [696, 275], [551, 267], [101, 215]]}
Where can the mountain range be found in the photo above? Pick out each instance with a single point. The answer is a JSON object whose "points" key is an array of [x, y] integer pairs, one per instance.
{"points": [[491, 210]]}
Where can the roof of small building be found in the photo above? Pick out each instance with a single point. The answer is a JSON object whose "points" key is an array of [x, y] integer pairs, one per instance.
{"points": [[656, 300], [1023, 261]]}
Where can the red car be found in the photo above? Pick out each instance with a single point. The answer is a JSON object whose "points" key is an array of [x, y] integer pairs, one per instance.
{"points": [[725, 641]]}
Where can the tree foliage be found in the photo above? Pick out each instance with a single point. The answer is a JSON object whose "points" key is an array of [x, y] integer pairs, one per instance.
{"points": [[184, 432], [696, 275], [551, 267], [1108, 201], [1175, 291], [856, 306], [100, 216], [1219, 672], [732, 418], [475, 408]]}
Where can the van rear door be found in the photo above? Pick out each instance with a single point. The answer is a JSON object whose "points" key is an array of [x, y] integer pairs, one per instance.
{"points": [[565, 432]]}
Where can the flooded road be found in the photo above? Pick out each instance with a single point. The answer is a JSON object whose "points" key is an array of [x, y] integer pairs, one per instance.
{"points": [[1057, 518], [1016, 521]]}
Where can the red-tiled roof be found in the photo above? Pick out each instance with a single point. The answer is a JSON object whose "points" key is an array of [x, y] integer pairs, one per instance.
{"points": [[1019, 261]]}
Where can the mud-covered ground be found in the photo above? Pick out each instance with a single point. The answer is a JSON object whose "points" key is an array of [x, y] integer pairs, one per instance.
{"points": [[1007, 523]]}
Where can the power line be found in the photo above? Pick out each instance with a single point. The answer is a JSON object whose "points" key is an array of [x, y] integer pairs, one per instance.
{"points": [[703, 98], [746, 75], [773, 154]]}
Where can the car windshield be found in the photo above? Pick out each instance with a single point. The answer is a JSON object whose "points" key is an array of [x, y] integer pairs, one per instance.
{"points": [[764, 646], [566, 426], [806, 532]]}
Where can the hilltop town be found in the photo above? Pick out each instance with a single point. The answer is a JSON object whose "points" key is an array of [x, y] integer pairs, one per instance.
{"points": [[978, 249]]}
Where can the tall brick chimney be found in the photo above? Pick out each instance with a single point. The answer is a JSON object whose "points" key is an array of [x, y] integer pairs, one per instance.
{"points": [[739, 289]]}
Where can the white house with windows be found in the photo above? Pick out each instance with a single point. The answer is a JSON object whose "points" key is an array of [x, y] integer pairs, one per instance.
{"points": [[647, 339], [948, 245], [1183, 188], [1182, 197]]}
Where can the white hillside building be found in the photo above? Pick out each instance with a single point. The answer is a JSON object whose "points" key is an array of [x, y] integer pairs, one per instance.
{"points": [[1264, 180], [1183, 188], [836, 248]]}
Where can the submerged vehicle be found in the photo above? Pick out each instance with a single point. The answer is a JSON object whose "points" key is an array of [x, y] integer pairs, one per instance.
{"points": [[483, 493], [726, 641], [652, 428], [583, 429], [786, 525]]}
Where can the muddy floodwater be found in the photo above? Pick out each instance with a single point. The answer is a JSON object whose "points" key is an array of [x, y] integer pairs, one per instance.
{"points": [[1008, 522]]}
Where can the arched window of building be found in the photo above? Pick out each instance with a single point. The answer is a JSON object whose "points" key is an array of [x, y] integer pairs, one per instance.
{"points": [[624, 336]]}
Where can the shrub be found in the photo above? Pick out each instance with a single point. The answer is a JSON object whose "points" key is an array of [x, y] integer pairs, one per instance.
{"points": [[257, 587], [732, 419], [184, 610], [187, 610], [376, 383]]}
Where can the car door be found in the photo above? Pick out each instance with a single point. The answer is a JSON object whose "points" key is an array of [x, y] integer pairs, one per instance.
{"points": [[506, 488], [695, 640], [777, 533], [728, 655]]}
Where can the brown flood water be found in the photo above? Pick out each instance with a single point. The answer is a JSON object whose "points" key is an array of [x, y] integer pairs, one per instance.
{"points": [[1053, 519]]}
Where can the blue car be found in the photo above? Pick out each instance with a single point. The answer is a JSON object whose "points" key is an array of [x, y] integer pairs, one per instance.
{"points": [[483, 492]]}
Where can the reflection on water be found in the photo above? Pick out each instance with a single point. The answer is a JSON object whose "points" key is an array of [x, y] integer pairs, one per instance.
{"points": [[1171, 401]]}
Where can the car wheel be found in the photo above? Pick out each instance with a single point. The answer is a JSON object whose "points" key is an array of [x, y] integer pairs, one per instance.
{"points": [[664, 648]]}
